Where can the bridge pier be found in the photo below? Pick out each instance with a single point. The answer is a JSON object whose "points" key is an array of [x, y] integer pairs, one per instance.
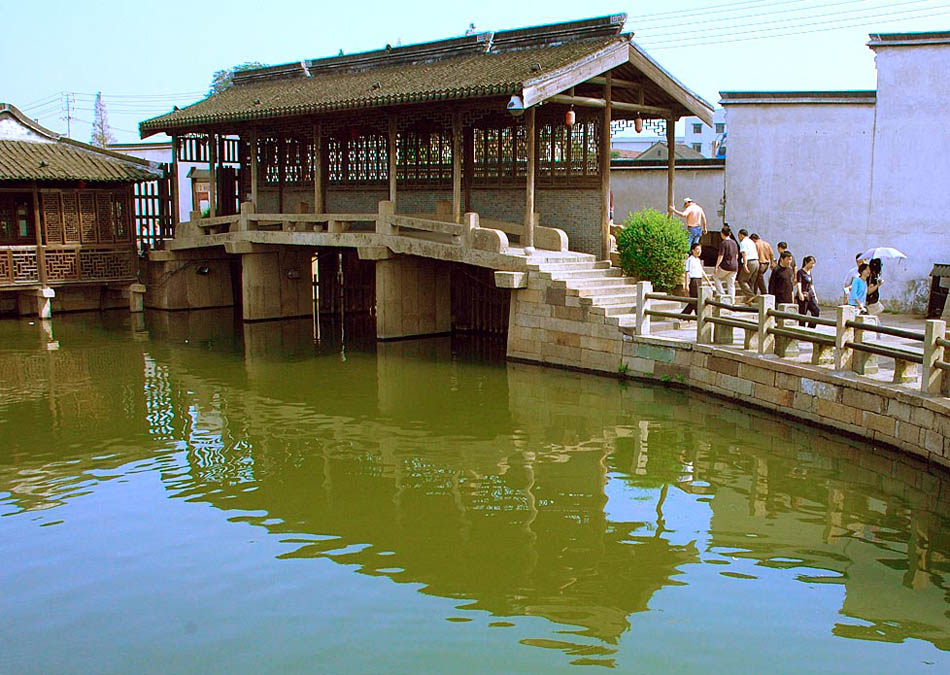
{"points": [[195, 279], [413, 297], [276, 282]]}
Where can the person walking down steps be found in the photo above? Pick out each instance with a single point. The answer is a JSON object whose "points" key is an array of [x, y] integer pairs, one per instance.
{"points": [[695, 275]]}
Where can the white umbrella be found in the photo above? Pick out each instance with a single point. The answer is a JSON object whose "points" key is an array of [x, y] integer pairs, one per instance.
{"points": [[882, 252]]}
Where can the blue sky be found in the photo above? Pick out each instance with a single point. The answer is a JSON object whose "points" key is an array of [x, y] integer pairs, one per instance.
{"points": [[148, 56]]}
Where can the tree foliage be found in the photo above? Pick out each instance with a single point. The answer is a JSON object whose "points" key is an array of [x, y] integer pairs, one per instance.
{"points": [[101, 133], [223, 79], [652, 247]]}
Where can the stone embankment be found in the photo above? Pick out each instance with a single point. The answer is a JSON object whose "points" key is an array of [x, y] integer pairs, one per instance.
{"points": [[582, 314]]}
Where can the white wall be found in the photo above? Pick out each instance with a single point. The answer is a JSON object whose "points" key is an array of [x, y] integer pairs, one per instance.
{"points": [[645, 187], [911, 169], [802, 173]]}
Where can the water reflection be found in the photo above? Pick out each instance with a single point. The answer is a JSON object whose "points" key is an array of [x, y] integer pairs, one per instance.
{"points": [[518, 491]]}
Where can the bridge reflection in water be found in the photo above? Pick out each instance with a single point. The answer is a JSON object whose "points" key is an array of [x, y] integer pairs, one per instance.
{"points": [[519, 491]]}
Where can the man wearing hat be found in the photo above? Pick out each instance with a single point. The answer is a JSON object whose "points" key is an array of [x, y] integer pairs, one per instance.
{"points": [[695, 220]]}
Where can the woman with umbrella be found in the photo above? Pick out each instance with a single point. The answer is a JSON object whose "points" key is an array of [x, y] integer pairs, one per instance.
{"points": [[876, 279]]}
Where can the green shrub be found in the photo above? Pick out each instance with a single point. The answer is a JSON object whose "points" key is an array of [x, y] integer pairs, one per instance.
{"points": [[653, 247]]}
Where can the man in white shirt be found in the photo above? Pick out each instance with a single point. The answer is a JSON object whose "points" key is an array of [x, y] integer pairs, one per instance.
{"points": [[749, 269], [694, 275]]}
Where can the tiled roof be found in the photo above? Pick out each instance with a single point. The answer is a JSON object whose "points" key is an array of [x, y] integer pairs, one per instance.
{"points": [[29, 151], [470, 74], [26, 160], [658, 151]]}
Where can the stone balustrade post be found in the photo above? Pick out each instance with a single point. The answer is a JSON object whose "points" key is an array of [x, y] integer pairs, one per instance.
{"points": [[863, 363], [722, 335], [704, 329], [643, 304], [469, 225], [786, 347], [765, 341], [843, 335], [383, 223], [931, 378], [244, 222]]}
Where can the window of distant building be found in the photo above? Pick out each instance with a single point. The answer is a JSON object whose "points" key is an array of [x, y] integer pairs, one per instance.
{"points": [[698, 147], [698, 128], [720, 127]]}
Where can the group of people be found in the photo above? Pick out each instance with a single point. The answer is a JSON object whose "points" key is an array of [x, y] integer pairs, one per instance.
{"points": [[746, 261]]}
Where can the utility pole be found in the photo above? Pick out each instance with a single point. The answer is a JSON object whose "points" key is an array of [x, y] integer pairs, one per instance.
{"points": [[69, 116]]}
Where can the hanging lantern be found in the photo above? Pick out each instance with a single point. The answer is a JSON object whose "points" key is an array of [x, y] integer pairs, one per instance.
{"points": [[638, 124], [570, 117]]}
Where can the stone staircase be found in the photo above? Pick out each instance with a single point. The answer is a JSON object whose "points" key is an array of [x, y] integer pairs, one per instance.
{"points": [[601, 287]]}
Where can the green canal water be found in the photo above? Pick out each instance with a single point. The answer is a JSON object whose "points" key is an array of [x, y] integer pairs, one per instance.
{"points": [[195, 497]]}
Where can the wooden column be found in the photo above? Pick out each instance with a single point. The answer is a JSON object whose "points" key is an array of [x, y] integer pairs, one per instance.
{"points": [[213, 175], [670, 160], [528, 239], [38, 233], [281, 169], [605, 173], [252, 142], [318, 168], [176, 188], [392, 160], [468, 155], [457, 167]]}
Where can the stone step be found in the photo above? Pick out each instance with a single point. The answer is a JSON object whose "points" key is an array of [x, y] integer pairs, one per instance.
{"points": [[573, 266], [614, 310], [610, 299], [568, 256], [587, 274], [588, 287]]}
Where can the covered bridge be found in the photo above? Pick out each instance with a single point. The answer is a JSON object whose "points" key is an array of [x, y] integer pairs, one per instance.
{"points": [[504, 124]]}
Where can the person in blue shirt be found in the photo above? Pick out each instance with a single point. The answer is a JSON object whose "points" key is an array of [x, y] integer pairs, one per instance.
{"points": [[859, 288]]}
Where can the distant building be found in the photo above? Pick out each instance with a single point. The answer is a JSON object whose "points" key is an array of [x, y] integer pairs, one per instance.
{"points": [[704, 139], [659, 150], [67, 236]]}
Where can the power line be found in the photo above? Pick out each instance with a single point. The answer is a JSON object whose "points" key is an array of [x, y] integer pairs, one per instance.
{"points": [[710, 9], [800, 21], [698, 42], [805, 13]]}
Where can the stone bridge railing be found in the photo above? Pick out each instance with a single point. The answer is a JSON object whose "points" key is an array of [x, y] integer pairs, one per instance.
{"points": [[472, 232], [848, 346]]}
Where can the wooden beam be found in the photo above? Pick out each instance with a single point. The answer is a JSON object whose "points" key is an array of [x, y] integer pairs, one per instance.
{"points": [[392, 160], [527, 241], [457, 166], [545, 86], [670, 160], [616, 83], [588, 102], [605, 173], [212, 175], [674, 89], [317, 167], [252, 143], [176, 188]]}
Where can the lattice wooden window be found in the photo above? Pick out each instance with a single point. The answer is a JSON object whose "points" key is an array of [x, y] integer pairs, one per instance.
{"points": [[499, 153], [52, 217], [70, 217], [298, 162], [568, 155], [268, 160], [87, 216], [360, 159], [424, 156], [16, 219]]}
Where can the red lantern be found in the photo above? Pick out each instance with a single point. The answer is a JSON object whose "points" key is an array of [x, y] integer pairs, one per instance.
{"points": [[570, 117], [638, 124]]}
